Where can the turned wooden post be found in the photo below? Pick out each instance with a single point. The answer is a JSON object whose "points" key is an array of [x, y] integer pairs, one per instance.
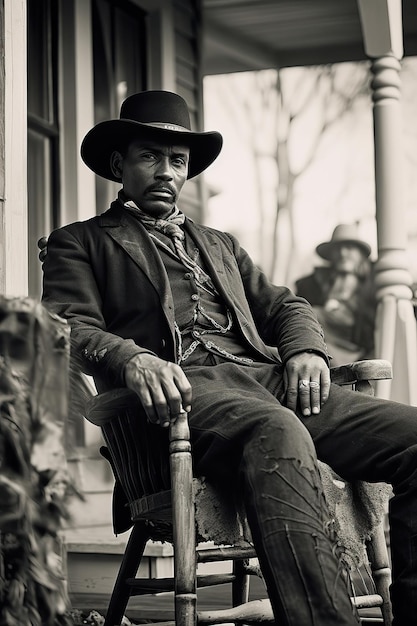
{"points": [[183, 522], [395, 337]]}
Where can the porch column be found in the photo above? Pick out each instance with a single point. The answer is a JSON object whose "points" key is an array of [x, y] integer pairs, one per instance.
{"points": [[13, 149], [395, 334]]}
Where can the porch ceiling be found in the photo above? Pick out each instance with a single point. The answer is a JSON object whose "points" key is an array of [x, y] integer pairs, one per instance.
{"points": [[242, 35]]}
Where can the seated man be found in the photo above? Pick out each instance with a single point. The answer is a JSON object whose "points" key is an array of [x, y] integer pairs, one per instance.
{"points": [[180, 314], [343, 295]]}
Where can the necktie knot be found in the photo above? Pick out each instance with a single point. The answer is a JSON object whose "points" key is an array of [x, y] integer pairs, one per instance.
{"points": [[170, 227], [171, 230]]}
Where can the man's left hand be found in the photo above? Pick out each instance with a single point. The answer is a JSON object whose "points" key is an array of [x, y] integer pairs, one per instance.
{"points": [[307, 382]]}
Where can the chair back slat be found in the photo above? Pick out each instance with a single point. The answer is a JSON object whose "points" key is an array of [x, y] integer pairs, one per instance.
{"points": [[139, 450]]}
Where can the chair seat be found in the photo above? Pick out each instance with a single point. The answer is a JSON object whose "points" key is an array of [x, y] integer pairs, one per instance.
{"points": [[157, 506], [217, 515]]}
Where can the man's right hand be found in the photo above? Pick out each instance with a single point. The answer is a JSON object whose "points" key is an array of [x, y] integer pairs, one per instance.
{"points": [[161, 385]]}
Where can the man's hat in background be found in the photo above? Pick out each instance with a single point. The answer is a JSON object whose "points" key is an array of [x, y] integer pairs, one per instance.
{"points": [[150, 115], [342, 234]]}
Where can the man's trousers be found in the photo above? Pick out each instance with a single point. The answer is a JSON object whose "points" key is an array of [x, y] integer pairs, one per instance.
{"points": [[242, 432]]}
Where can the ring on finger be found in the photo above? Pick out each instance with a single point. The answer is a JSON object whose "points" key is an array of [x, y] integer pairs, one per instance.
{"points": [[303, 384], [314, 384]]}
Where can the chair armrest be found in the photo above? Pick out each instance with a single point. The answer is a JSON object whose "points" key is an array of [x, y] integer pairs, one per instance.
{"points": [[370, 369], [102, 408]]}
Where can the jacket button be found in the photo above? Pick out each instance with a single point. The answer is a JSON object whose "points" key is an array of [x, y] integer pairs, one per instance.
{"points": [[195, 296], [187, 276]]}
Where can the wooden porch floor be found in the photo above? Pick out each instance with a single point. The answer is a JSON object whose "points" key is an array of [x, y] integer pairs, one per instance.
{"points": [[161, 607], [140, 610], [93, 560]]}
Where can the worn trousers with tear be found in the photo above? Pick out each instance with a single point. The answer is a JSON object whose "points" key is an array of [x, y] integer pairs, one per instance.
{"points": [[242, 431]]}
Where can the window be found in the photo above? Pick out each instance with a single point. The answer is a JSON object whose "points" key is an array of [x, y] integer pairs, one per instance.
{"points": [[43, 132]]}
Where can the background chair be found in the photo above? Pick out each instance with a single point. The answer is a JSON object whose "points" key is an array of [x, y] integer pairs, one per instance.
{"points": [[163, 501]]}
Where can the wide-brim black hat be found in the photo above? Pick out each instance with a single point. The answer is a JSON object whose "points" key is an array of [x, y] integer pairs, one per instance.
{"points": [[159, 115]]}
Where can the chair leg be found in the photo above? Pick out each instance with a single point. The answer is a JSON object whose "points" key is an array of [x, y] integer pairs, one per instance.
{"points": [[240, 586], [183, 517], [121, 592], [381, 571]]}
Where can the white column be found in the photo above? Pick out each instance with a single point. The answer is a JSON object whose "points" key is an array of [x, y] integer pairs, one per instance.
{"points": [[395, 338], [13, 157]]}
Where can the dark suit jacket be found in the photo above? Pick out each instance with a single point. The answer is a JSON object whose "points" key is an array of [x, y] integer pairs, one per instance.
{"points": [[105, 276]]}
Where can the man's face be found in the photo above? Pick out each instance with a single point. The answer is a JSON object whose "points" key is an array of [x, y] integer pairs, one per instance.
{"points": [[153, 174], [347, 257]]}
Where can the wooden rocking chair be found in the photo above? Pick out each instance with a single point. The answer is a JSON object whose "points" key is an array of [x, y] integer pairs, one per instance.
{"points": [[165, 502]]}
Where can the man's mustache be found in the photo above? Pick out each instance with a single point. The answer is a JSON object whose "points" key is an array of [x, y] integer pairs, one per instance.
{"points": [[162, 187]]}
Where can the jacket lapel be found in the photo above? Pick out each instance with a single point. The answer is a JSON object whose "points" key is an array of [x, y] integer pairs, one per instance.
{"points": [[213, 259], [132, 237]]}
